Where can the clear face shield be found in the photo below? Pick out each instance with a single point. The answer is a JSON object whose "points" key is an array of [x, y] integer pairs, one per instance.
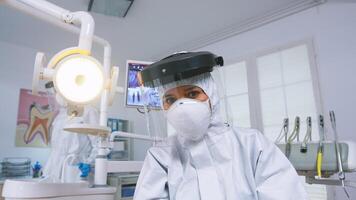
{"points": [[187, 94]]}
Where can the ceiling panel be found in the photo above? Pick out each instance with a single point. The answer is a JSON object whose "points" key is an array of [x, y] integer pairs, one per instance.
{"points": [[151, 27]]}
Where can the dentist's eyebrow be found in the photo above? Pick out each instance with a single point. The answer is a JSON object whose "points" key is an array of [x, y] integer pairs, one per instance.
{"points": [[167, 96], [192, 88]]}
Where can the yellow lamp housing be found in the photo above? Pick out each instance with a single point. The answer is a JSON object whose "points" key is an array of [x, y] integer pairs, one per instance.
{"points": [[79, 79]]}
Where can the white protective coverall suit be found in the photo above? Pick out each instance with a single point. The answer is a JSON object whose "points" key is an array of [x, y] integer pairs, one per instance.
{"points": [[227, 163], [64, 143]]}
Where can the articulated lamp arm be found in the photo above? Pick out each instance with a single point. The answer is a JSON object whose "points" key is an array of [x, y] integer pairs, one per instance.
{"points": [[67, 20], [82, 19]]}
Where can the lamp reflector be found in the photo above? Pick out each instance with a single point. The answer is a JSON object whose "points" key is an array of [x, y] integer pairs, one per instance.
{"points": [[79, 79]]}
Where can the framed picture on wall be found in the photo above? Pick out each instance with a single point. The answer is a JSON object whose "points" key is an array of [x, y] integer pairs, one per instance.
{"points": [[34, 119]]}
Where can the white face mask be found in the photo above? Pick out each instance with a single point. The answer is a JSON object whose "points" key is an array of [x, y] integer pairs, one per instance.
{"points": [[190, 117]]}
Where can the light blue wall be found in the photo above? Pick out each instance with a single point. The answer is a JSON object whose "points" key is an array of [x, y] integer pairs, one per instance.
{"points": [[332, 28], [16, 72]]}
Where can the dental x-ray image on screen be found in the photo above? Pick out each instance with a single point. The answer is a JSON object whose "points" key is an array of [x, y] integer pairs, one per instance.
{"points": [[134, 96]]}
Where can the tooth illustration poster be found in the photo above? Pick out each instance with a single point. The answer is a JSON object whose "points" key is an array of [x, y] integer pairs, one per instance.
{"points": [[34, 119]]}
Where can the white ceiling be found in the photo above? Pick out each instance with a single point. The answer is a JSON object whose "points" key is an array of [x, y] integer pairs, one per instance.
{"points": [[152, 28]]}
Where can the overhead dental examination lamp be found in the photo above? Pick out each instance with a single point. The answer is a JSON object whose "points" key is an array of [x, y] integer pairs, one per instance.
{"points": [[78, 78]]}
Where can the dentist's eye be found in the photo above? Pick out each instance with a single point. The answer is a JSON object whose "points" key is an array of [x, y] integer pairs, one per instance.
{"points": [[193, 94], [169, 100]]}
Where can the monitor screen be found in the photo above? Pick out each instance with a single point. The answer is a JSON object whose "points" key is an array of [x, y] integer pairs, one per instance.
{"points": [[134, 95]]}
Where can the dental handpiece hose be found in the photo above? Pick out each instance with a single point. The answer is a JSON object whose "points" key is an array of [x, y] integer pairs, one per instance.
{"points": [[338, 153], [321, 145], [307, 137]]}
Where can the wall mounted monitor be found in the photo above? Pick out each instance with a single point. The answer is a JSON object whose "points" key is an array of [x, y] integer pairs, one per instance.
{"points": [[134, 94]]}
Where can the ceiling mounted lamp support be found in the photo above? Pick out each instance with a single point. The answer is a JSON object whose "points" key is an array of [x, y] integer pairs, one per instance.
{"points": [[80, 18], [77, 77], [80, 23]]}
